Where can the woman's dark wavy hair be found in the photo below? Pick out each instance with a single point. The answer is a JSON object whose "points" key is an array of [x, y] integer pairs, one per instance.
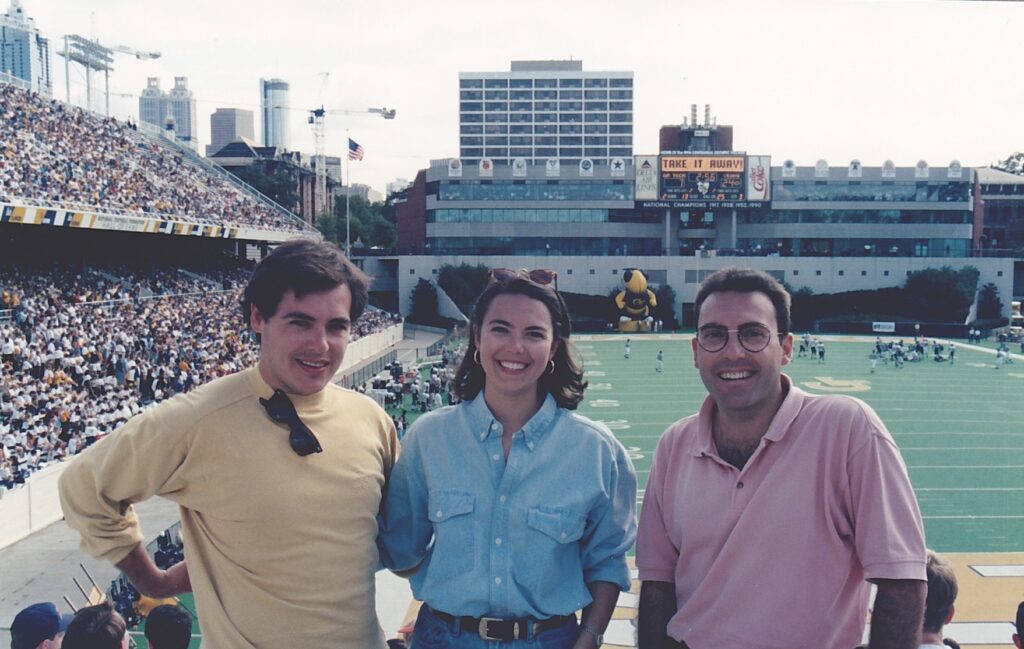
{"points": [[565, 384]]}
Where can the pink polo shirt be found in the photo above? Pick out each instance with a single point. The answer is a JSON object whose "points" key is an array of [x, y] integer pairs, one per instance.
{"points": [[776, 555]]}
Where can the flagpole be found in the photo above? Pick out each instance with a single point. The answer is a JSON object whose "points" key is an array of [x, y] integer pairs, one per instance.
{"points": [[348, 194]]}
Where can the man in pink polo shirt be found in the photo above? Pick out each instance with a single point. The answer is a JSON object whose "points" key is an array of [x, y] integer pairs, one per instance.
{"points": [[767, 513]]}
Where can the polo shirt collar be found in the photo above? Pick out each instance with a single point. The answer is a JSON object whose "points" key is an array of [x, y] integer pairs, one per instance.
{"points": [[481, 419], [704, 443]]}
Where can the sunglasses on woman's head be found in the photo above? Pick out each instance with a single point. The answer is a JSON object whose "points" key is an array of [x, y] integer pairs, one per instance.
{"points": [[539, 276]]}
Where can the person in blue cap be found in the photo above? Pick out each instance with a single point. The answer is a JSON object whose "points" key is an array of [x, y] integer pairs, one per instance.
{"points": [[38, 626]]}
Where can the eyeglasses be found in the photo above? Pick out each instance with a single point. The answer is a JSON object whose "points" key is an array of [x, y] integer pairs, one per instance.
{"points": [[279, 408], [752, 337], [539, 276]]}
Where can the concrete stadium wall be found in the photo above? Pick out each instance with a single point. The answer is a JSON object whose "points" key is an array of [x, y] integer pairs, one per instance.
{"points": [[599, 275], [32, 506]]}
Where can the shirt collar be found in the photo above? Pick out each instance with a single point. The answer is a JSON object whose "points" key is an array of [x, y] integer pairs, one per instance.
{"points": [[704, 443], [485, 425]]}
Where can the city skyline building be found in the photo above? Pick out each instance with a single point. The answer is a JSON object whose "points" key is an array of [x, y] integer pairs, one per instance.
{"points": [[550, 113], [274, 104], [24, 53], [228, 125], [173, 111]]}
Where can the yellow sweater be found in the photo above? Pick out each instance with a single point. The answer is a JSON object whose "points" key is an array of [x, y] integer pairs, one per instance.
{"points": [[280, 548]]}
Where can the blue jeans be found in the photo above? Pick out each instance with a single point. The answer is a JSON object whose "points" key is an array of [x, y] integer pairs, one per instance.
{"points": [[432, 632]]}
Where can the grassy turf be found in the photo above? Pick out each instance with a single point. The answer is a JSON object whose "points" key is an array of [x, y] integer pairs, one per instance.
{"points": [[960, 428]]}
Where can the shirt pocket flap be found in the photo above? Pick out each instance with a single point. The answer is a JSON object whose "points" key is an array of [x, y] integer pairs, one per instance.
{"points": [[446, 504], [562, 525]]}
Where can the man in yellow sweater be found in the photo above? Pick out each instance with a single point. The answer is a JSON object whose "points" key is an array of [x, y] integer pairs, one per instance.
{"points": [[278, 474]]}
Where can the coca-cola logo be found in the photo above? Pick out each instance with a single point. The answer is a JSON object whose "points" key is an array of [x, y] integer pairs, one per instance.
{"points": [[757, 178]]}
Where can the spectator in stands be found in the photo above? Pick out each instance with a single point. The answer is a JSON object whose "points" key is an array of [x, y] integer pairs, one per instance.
{"points": [[256, 461], [56, 153], [168, 627], [1018, 637], [768, 475], [96, 627], [513, 561], [939, 606], [38, 626]]}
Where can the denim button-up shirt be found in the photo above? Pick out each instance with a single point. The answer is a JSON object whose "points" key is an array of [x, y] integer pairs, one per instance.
{"points": [[515, 538]]}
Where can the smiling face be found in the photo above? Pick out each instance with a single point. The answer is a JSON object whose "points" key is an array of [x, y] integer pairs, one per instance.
{"points": [[303, 343], [742, 382], [516, 342]]}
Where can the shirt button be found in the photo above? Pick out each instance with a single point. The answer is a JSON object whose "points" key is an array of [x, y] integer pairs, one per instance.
{"points": [[739, 485], [502, 499], [497, 541], [439, 513], [497, 580], [530, 446], [495, 457]]}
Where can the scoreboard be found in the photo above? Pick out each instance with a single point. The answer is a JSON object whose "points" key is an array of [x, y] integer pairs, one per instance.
{"points": [[703, 178]]}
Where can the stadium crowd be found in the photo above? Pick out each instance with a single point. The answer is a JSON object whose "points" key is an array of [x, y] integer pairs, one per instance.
{"points": [[64, 154], [84, 350]]}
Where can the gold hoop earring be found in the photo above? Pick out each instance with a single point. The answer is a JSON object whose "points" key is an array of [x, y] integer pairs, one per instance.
{"points": [[551, 370], [476, 356]]}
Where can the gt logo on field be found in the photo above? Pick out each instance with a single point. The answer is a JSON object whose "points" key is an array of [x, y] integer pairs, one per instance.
{"points": [[830, 384], [616, 424]]}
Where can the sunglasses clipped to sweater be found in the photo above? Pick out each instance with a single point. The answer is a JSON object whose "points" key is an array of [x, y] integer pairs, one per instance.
{"points": [[280, 408]]}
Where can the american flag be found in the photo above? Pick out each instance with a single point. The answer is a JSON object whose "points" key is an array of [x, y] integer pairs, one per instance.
{"points": [[355, 150]]}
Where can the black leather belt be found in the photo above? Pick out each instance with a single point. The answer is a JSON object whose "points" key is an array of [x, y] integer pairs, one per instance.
{"points": [[493, 628]]}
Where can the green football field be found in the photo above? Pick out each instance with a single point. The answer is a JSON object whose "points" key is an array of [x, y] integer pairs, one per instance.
{"points": [[960, 428]]}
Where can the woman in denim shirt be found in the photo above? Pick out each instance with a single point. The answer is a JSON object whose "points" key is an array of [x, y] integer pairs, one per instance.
{"points": [[511, 511]]}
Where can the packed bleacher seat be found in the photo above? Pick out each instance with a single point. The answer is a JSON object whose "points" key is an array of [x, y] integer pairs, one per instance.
{"points": [[54, 152], [84, 350]]}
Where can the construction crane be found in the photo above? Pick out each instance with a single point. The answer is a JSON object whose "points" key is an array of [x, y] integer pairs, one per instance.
{"points": [[316, 119], [142, 56]]}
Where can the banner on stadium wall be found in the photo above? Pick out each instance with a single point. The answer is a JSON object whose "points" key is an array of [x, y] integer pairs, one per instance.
{"points": [[486, 168], [759, 169], [646, 182], [519, 168], [29, 215], [883, 327]]}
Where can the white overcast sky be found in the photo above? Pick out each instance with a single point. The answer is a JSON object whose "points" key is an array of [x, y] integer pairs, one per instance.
{"points": [[872, 80]]}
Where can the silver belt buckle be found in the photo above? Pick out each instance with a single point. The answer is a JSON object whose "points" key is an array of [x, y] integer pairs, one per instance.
{"points": [[483, 630]]}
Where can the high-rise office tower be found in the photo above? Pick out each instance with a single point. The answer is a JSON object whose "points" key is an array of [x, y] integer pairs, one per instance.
{"points": [[23, 52], [275, 103], [541, 110], [227, 125], [176, 109]]}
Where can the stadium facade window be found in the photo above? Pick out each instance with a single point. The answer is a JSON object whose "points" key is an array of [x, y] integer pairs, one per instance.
{"points": [[504, 190], [567, 246]]}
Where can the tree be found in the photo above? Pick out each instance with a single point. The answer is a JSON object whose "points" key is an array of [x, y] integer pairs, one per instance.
{"points": [[1013, 164], [463, 283], [666, 309], [942, 293], [424, 303], [368, 223], [279, 187], [990, 307]]}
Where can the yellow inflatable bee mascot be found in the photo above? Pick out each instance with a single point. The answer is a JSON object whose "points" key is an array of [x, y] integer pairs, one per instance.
{"points": [[635, 303]]}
